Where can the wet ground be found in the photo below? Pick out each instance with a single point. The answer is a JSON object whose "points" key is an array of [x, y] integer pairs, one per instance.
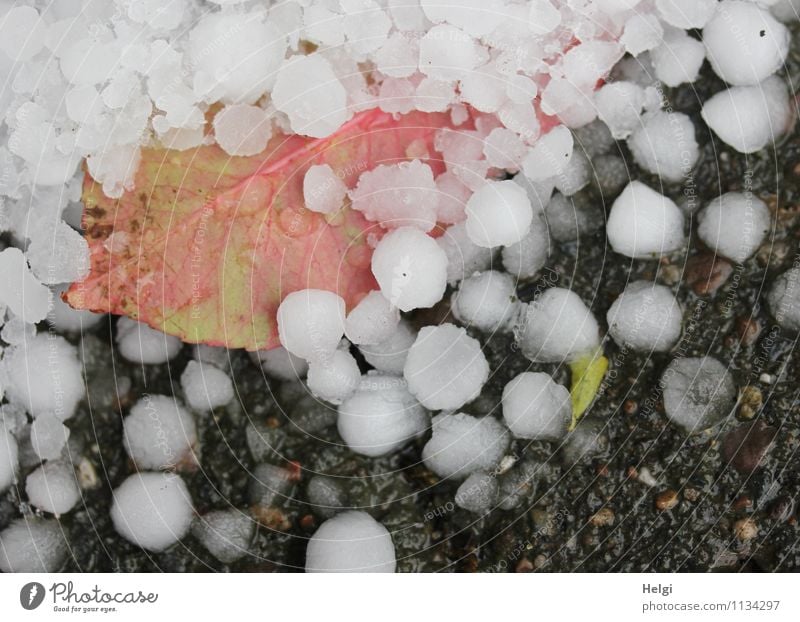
{"points": [[626, 492]]}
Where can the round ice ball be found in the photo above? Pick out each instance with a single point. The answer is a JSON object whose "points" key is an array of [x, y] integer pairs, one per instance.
{"points": [[557, 327], [53, 487], [784, 299], [226, 534], [152, 510], [205, 387], [335, 379], [464, 257], [744, 43], [372, 320], [749, 118], [351, 542], [646, 317], [462, 444], [242, 130], [536, 407], [410, 268], [44, 375], [498, 214], [486, 301], [644, 224], [48, 436], [390, 355], [138, 343], [445, 367], [698, 392], [159, 433], [9, 453], [32, 545], [527, 257], [311, 323], [478, 493], [664, 144], [323, 190], [381, 416], [734, 225], [281, 364]]}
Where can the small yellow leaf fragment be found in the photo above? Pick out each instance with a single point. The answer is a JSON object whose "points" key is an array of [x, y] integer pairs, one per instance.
{"points": [[587, 374]]}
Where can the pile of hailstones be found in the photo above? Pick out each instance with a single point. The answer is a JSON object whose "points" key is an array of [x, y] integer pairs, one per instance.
{"points": [[510, 223]]}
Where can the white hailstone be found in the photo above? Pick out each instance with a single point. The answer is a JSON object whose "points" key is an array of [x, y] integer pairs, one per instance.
{"points": [[371, 321], [398, 57], [205, 387], [527, 257], [749, 118], [734, 225], [478, 493], [366, 25], [453, 197], [698, 392], [22, 292], [678, 59], [464, 257], [486, 301], [478, 17], [48, 436], [575, 176], [44, 375], [114, 168], [310, 93], [539, 192], [557, 327], [138, 343], [642, 32], [218, 356], [499, 214], [381, 416], [234, 56], [590, 61], [242, 130], [281, 364], [335, 379], [351, 542], [483, 89], [784, 299], [226, 534], [32, 545], [745, 44], [504, 149], [311, 323], [449, 53], [65, 319], [644, 224], [646, 317], [434, 95], [462, 444], [398, 195], [445, 367], [160, 14], [411, 269], [158, 433], [9, 453], [686, 14], [390, 355], [536, 407], [619, 106], [786, 10], [53, 487], [665, 145], [549, 156], [323, 190], [323, 26], [61, 255], [543, 17], [407, 16], [22, 33], [152, 510]]}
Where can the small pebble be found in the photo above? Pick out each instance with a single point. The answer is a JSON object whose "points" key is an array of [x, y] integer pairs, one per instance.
{"points": [[666, 500]]}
